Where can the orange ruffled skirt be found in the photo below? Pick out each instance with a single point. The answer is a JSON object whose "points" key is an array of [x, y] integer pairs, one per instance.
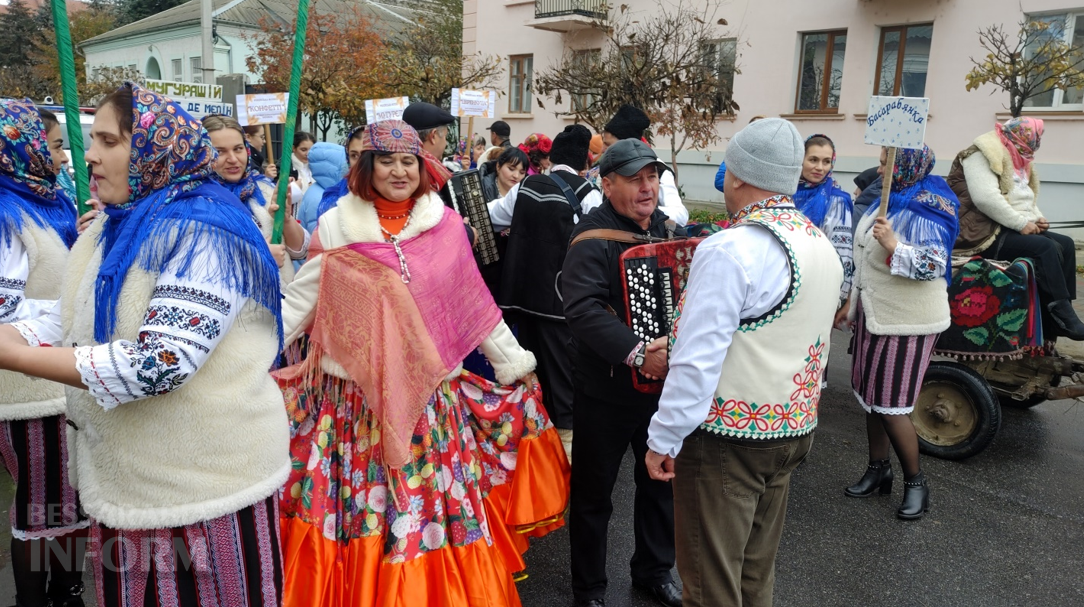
{"points": [[449, 528]]}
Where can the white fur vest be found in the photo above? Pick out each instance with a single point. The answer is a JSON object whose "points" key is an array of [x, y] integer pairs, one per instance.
{"points": [[21, 396], [217, 444]]}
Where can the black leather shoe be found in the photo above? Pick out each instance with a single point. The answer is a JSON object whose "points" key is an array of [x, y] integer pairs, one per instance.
{"points": [[916, 498], [1065, 316], [877, 479], [590, 603], [665, 594]]}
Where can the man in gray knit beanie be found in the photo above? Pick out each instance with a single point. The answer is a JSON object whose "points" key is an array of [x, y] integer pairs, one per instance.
{"points": [[739, 406]]}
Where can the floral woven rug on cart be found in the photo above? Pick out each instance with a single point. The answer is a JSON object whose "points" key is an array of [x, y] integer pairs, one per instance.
{"points": [[995, 311]]}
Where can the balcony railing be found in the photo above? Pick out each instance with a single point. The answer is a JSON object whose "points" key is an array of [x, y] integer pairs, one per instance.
{"points": [[592, 9]]}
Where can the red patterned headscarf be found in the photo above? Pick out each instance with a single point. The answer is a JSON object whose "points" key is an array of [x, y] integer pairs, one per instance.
{"points": [[1021, 136]]}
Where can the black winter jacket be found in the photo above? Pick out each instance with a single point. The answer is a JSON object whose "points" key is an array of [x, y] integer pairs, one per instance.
{"points": [[595, 308]]}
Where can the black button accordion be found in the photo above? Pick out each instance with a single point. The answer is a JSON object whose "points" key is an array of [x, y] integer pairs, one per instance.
{"points": [[469, 201]]}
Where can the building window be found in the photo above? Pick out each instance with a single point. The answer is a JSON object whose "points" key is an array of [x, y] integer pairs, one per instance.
{"points": [[722, 57], [178, 70], [197, 68], [519, 94], [1070, 28], [902, 61], [584, 59], [820, 76]]}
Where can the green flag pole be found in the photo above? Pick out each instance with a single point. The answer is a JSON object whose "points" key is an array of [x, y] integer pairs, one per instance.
{"points": [[71, 102], [291, 118]]}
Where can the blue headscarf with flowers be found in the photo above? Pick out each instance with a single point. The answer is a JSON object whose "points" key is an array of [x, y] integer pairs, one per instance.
{"points": [[814, 199], [923, 209], [27, 182], [176, 210]]}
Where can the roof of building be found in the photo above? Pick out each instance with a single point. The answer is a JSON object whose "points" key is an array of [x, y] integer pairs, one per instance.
{"points": [[390, 14]]}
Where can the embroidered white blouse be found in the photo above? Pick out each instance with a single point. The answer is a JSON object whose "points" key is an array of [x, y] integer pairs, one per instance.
{"points": [[185, 321], [14, 271]]}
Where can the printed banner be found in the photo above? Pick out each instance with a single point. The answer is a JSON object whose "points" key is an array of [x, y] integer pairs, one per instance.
{"points": [[481, 104], [385, 109], [265, 108], [897, 122]]}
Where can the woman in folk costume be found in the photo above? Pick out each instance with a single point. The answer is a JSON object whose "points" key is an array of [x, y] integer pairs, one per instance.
{"points": [[900, 305], [537, 148], [37, 226], [235, 173], [414, 482], [1000, 218], [167, 322], [826, 204]]}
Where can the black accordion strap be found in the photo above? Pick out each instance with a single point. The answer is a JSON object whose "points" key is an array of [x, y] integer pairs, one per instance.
{"points": [[573, 201], [617, 236]]}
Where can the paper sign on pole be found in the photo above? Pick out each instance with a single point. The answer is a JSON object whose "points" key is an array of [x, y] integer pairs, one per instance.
{"points": [[897, 122], [196, 98], [392, 108], [265, 108], [482, 104]]}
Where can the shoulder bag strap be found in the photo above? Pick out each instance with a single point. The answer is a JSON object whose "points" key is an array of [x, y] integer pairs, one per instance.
{"points": [[573, 201]]}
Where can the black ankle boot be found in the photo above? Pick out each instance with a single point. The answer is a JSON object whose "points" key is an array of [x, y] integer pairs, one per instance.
{"points": [[916, 498], [878, 477], [68, 595], [1065, 316]]}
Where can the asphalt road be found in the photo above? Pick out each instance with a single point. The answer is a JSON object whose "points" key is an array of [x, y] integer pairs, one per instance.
{"points": [[1006, 527]]}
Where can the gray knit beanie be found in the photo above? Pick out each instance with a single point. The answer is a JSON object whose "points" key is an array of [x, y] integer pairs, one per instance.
{"points": [[767, 154]]}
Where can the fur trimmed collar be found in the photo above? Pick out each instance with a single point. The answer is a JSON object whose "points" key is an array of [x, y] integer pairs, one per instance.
{"points": [[1001, 162], [359, 222]]}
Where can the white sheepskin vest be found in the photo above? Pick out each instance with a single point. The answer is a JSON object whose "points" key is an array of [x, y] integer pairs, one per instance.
{"points": [[21, 396], [214, 446], [895, 305]]}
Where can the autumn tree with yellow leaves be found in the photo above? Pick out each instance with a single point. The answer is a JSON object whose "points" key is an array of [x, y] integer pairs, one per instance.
{"points": [[1035, 61]]}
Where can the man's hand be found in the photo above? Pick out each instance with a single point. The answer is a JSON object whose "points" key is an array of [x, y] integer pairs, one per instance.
{"points": [[1030, 228], [840, 321], [883, 232], [1042, 224], [659, 467], [656, 364]]}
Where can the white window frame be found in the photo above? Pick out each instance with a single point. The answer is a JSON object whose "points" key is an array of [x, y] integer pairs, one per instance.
{"points": [[177, 67], [1072, 18], [197, 70], [725, 60]]}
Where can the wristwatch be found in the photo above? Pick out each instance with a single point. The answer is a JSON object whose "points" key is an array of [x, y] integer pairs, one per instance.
{"points": [[638, 358]]}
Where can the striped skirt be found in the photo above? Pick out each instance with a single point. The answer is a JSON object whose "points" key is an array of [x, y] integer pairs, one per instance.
{"points": [[35, 453], [231, 561], [887, 370]]}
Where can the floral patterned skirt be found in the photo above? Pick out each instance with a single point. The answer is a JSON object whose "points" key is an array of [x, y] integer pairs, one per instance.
{"points": [[487, 469]]}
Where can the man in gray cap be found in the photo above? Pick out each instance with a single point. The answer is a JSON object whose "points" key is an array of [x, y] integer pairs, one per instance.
{"points": [[608, 413], [739, 405]]}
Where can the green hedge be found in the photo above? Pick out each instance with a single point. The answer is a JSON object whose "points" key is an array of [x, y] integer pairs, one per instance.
{"points": [[701, 216]]}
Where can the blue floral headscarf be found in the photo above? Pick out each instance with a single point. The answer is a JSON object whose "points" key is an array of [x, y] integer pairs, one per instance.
{"points": [[171, 161], [923, 209], [814, 199], [27, 182]]}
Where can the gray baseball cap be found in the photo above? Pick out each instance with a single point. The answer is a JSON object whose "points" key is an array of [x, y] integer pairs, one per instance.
{"points": [[628, 157]]}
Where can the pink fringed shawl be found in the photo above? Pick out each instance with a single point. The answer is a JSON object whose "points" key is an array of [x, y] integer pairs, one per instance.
{"points": [[399, 341]]}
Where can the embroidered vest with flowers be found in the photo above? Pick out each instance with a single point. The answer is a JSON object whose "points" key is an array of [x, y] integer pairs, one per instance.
{"points": [[770, 384]]}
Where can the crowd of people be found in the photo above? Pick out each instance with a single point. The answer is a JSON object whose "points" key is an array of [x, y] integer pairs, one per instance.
{"points": [[366, 414]]}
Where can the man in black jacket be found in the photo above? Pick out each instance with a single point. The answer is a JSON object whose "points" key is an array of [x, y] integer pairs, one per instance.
{"points": [[609, 414], [541, 213]]}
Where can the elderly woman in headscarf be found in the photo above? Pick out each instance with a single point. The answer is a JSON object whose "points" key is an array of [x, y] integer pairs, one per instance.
{"points": [[998, 188], [899, 305], [826, 204], [37, 226], [414, 481], [167, 323]]}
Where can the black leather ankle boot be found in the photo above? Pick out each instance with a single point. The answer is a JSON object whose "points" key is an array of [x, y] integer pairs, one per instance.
{"points": [[878, 478], [916, 498], [68, 595], [1065, 316]]}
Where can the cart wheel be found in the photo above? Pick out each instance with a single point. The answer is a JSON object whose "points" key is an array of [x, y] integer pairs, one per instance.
{"points": [[957, 414]]}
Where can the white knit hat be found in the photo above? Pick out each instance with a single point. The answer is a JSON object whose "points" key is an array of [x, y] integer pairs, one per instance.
{"points": [[767, 154]]}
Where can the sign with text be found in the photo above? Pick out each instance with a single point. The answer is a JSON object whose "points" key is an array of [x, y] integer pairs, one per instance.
{"points": [[264, 108], [194, 91], [482, 104], [392, 108], [897, 122]]}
